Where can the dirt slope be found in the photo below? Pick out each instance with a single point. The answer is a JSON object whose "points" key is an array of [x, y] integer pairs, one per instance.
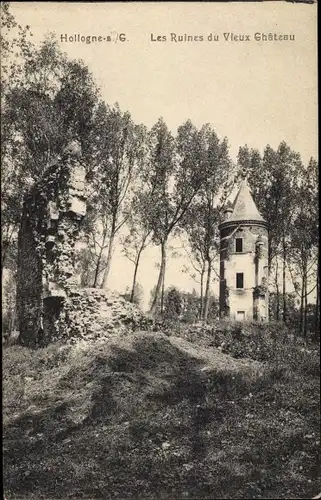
{"points": [[154, 417]]}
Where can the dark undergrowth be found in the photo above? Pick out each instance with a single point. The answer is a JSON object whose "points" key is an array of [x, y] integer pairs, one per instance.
{"points": [[160, 417]]}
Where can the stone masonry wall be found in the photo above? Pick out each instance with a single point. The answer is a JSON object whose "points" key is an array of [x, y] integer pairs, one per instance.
{"points": [[91, 314], [52, 213], [50, 304], [253, 263]]}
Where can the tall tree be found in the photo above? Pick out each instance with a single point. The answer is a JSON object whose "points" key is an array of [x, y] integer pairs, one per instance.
{"points": [[15, 47], [135, 242], [174, 174], [286, 175], [119, 146], [46, 101], [303, 248], [273, 181], [204, 214]]}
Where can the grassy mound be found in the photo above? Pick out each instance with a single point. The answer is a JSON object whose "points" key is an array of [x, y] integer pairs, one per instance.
{"points": [[151, 416]]}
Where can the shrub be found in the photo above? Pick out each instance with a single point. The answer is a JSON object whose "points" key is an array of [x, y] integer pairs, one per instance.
{"points": [[173, 304]]}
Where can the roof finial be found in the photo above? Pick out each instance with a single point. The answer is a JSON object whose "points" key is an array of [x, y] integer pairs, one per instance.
{"points": [[244, 174]]}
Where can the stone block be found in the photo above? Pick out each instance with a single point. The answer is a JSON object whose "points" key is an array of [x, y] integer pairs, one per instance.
{"points": [[77, 206]]}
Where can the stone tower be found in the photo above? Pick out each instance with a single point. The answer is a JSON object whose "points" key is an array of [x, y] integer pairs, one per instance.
{"points": [[244, 260]]}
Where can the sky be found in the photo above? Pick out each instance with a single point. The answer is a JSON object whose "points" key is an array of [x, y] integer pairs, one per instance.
{"points": [[252, 91]]}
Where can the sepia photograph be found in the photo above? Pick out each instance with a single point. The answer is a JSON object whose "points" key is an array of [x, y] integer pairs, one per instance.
{"points": [[160, 250]]}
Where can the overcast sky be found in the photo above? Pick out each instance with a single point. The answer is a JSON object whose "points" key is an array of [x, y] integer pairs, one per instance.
{"points": [[253, 92]]}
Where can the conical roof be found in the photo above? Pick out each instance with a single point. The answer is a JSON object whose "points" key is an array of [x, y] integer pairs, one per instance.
{"points": [[244, 208]]}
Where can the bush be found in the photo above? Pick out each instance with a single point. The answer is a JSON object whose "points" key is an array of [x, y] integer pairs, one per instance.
{"points": [[22, 361], [270, 343], [173, 304]]}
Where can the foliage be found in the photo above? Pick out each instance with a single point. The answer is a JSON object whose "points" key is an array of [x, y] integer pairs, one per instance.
{"points": [[9, 306], [86, 265], [204, 214], [303, 246], [181, 308], [225, 409], [150, 185], [15, 45], [139, 237], [46, 100], [135, 296], [285, 192], [173, 304], [118, 144], [272, 180], [174, 175], [275, 308]]}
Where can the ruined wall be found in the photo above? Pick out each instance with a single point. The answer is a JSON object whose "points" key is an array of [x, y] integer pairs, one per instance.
{"points": [[29, 282], [50, 303], [52, 213], [91, 314]]}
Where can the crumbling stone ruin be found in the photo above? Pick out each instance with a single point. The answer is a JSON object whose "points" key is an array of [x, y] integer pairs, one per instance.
{"points": [[50, 303]]}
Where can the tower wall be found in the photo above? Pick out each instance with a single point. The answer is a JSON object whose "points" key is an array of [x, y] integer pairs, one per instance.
{"points": [[250, 301]]}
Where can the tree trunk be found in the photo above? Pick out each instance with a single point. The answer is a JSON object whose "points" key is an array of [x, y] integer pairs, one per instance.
{"points": [[305, 306], [202, 296], [12, 320], [99, 261], [3, 257], [269, 255], [2, 268], [284, 281], [97, 268], [135, 274], [7, 240], [317, 299], [160, 278], [302, 307], [163, 293], [108, 261], [207, 290], [277, 290]]}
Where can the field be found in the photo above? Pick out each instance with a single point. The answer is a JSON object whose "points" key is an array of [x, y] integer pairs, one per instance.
{"points": [[178, 414]]}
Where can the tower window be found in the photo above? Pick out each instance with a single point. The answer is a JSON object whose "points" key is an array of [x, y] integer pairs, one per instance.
{"points": [[238, 245], [239, 280]]}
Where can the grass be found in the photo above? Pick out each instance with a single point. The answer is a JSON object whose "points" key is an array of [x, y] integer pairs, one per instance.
{"points": [[152, 416]]}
